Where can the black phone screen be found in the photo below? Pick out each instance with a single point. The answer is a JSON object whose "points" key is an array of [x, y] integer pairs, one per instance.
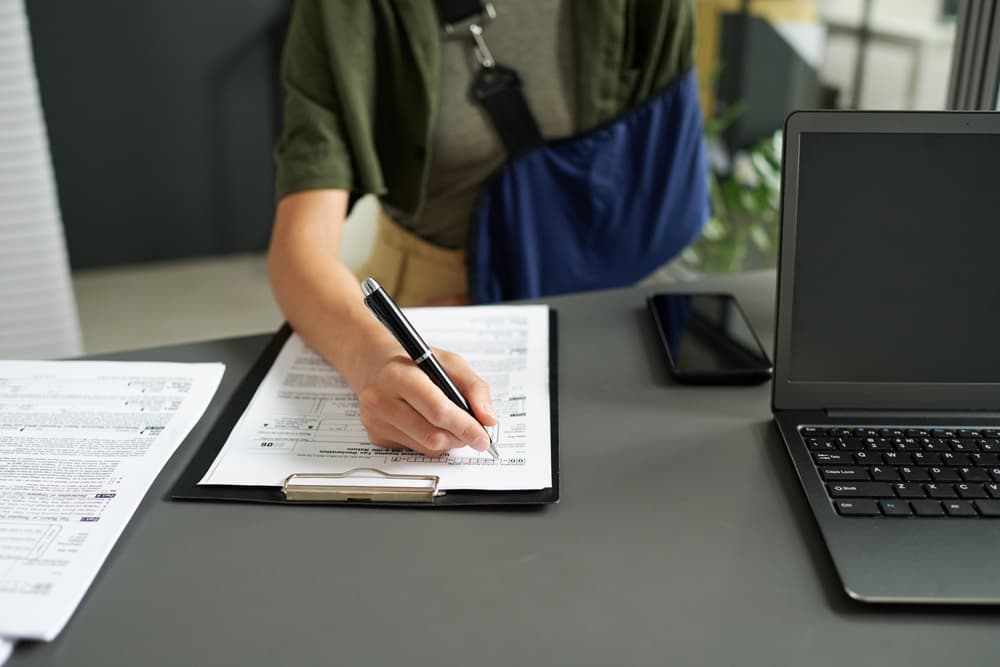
{"points": [[708, 339]]}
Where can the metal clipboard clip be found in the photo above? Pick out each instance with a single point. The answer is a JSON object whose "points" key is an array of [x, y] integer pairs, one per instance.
{"points": [[365, 484]]}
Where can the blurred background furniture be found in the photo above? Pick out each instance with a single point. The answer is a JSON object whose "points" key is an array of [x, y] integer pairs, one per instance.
{"points": [[37, 307]]}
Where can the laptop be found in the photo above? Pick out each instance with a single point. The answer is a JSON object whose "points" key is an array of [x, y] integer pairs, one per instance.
{"points": [[887, 347]]}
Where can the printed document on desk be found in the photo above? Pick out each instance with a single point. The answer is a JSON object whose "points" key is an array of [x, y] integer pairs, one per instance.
{"points": [[304, 418], [80, 444]]}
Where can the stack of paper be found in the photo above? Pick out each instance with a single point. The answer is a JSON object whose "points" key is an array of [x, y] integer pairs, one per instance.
{"points": [[80, 444]]}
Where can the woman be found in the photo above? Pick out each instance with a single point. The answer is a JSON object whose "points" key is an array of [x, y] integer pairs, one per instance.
{"points": [[378, 102]]}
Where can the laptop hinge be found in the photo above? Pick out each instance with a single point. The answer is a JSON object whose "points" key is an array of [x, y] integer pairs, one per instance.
{"points": [[911, 414]]}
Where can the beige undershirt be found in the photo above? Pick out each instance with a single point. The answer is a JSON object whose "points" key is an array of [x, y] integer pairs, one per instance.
{"points": [[534, 38]]}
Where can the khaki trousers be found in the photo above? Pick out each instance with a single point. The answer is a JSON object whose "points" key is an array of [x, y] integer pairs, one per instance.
{"points": [[410, 269]]}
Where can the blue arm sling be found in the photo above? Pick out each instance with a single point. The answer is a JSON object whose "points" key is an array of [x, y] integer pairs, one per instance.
{"points": [[598, 210]]}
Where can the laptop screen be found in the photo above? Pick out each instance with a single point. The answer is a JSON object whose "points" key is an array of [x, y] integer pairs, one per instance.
{"points": [[897, 277]]}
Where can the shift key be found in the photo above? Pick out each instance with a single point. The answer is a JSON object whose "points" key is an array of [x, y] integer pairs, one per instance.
{"points": [[860, 490]]}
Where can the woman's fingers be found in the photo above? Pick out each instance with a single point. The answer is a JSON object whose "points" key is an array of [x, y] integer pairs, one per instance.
{"points": [[430, 405], [473, 388], [401, 406], [388, 436]]}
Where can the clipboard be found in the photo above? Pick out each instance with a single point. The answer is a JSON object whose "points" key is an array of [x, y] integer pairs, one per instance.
{"points": [[359, 486]]}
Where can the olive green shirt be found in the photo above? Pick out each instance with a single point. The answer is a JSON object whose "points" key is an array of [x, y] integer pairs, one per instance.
{"points": [[534, 37], [362, 78]]}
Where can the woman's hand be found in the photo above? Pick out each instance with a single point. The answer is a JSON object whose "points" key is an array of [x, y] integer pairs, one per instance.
{"points": [[401, 406], [320, 297]]}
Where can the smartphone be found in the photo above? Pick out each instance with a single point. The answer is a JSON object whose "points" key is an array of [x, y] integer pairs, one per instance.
{"points": [[708, 340]]}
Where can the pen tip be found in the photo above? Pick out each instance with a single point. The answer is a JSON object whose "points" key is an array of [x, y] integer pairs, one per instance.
{"points": [[493, 451], [369, 286]]}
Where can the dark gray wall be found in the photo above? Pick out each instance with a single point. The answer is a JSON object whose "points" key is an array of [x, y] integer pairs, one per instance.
{"points": [[161, 119]]}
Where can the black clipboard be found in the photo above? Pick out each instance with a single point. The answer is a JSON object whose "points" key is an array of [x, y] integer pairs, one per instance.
{"points": [[310, 489]]}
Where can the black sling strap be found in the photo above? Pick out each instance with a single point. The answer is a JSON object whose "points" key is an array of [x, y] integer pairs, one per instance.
{"points": [[456, 12], [496, 87]]}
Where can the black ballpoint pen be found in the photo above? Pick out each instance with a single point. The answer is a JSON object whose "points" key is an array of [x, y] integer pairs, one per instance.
{"points": [[389, 314]]}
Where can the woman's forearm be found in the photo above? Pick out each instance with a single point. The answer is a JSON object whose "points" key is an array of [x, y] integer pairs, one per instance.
{"points": [[316, 291]]}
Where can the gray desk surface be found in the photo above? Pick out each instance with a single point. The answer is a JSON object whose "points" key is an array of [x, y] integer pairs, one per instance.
{"points": [[682, 538]]}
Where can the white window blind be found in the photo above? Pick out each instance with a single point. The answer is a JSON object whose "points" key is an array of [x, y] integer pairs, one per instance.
{"points": [[38, 317]]}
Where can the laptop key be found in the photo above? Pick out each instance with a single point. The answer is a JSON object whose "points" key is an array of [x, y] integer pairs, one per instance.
{"points": [[857, 507], [878, 444], [896, 458], [904, 490], [993, 490], [835, 473], [926, 459], [884, 474], [822, 444], [945, 474], [942, 491], [953, 459], [974, 475], [967, 433], [988, 507], [990, 445], [863, 458], [895, 507], [861, 490], [971, 491], [985, 459], [851, 444], [927, 508], [915, 474], [829, 458], [812, 431], [959, 508]]}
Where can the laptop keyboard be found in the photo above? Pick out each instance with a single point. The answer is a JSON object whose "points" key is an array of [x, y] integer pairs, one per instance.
{"points": [[908, 472]]}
